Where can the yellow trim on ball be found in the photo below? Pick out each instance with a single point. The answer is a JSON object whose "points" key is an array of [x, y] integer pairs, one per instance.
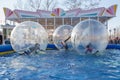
{"points": [[6, 52]]}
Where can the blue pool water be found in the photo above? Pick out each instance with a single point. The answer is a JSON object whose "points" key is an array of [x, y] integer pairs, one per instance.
{"points": [[61, 65]]}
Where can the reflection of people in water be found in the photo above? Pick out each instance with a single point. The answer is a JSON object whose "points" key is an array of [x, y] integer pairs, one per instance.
{"points": [[32, 49], [64, 43]]}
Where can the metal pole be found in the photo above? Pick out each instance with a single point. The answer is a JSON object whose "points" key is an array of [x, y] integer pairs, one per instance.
{"points": [[62, 21], [54, 23], [46, 23], [71, 20], [110, 34], [114, 32]]}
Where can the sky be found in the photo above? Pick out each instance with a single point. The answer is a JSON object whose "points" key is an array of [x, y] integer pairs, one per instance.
{"points": [[113, 23]]}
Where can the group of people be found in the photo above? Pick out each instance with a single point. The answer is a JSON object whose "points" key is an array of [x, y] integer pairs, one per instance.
{"points": [[88, 49], [116, 40]]}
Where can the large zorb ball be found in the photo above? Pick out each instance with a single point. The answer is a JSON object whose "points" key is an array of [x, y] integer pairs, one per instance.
{"points": [[62, 37], [89, 36], [28, 34]]}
